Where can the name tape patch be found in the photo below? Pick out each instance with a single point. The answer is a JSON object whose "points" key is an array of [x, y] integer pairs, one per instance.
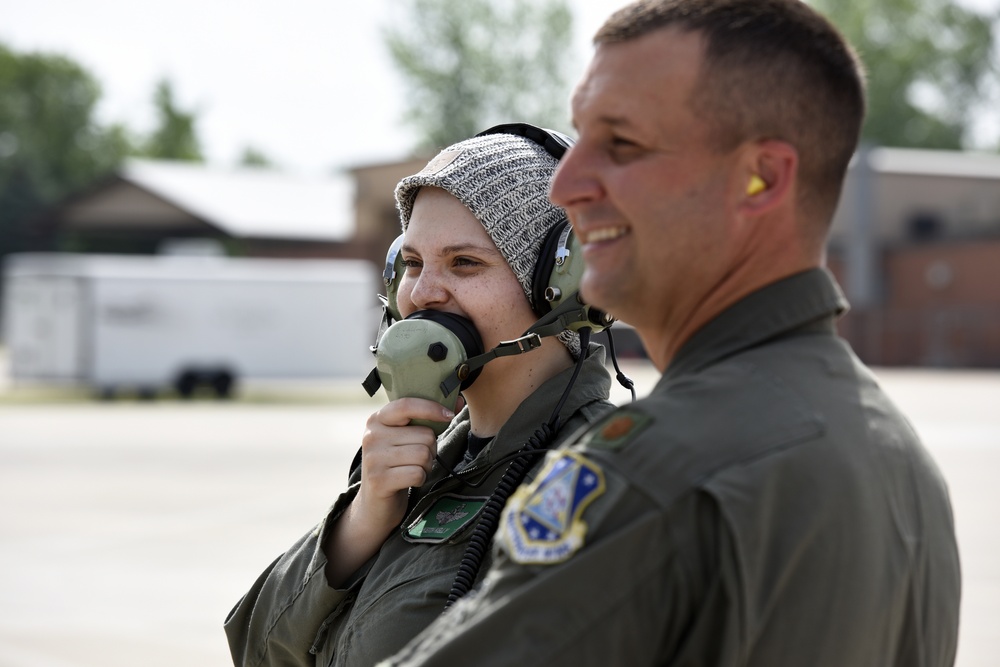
{"points": [[449, 514]]}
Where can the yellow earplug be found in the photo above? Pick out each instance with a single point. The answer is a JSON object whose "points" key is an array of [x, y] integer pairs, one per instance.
{"points": [[756, 185]]}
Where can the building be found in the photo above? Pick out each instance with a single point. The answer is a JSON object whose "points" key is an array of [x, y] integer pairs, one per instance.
{"points": [[152, 206], [156, 206], [915, 241], [376, 220], [916, 245]]}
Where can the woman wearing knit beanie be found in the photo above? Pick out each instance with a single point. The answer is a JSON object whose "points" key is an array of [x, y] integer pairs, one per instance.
{"points": [[382, 564]]}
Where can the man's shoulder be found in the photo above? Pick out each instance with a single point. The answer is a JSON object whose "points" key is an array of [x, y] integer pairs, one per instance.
{"points": [[691, 428], [737, 400]]}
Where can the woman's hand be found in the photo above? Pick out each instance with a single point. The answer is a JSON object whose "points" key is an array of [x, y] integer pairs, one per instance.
{"points": [[395, 456]]}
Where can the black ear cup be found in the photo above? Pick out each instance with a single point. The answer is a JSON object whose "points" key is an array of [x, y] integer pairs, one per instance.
{"points": [[463, 329]]}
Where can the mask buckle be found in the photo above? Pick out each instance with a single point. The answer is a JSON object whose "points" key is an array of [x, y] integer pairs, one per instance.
{"points": [[525, 343]]}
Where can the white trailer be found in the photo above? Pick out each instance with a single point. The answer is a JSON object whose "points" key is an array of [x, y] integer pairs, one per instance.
{"points": [[148, 323]]}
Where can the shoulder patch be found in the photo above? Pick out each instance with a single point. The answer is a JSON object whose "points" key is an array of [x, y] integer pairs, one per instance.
{"points": [[616, 430], [542, 523]]}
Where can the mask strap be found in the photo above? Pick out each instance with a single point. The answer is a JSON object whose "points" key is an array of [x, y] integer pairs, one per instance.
{"points": [[506, 348], [561, 318], [373, 381]]}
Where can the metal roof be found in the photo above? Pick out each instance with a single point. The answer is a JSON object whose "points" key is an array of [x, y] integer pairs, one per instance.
{"points": [[252, 202]]}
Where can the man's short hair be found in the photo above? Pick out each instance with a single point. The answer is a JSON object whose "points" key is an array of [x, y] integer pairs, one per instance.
{"points": [[772, 69]]}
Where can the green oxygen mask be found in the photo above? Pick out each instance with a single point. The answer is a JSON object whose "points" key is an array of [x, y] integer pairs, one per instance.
{"points": [[417, 355], [433, 355]]}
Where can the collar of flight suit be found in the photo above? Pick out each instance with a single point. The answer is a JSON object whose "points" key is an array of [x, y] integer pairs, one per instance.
{"points": [[592, 385], [810, 298]]}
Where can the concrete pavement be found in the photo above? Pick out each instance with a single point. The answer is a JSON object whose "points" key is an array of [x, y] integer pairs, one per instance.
{"points": [[128, 530]]}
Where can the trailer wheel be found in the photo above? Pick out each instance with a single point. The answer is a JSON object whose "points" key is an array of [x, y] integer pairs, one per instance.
{"points": [[222, 383], [186, 384], [146, 393]]}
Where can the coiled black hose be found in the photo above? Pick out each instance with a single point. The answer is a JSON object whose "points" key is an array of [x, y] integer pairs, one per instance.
{"points": [[489, 520]]}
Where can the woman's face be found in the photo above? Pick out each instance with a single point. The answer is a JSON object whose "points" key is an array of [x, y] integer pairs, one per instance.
{"points": [[452, 265]]}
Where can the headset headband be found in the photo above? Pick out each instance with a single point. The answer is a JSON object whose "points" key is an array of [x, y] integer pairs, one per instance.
{"points": [[555, 143]]}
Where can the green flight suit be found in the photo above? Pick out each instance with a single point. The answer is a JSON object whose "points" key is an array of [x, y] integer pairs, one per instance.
{"points": [[292, 617], [766, 506]]}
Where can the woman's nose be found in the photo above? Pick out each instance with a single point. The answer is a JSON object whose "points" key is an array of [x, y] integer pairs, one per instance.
{"points": [[428, 290]]}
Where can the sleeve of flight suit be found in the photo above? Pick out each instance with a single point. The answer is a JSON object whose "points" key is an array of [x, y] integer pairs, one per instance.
{"points": [[652, 586], [278, 620]]}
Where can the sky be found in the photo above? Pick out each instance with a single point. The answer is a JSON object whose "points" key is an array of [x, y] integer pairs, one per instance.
{"points": [[307, 82]]}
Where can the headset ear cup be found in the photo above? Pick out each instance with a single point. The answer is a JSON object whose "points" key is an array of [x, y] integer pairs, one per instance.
{"points": [[556, 287], [541, 278], [392, 274]]}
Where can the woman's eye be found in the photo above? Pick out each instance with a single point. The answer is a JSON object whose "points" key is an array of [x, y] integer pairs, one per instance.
{"points": [[410, 264], [465, 261]]}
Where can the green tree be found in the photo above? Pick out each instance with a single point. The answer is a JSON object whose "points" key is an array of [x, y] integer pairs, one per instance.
{"points": [[252, 157], [175, 137], [932, 66], [470, 64], [50, 142]]}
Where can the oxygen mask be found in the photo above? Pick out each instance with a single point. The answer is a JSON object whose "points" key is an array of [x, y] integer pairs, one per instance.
{"points": [[417, 355]]}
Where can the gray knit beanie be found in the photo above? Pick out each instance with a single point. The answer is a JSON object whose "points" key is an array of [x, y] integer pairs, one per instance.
{"points": [[504, 180]]}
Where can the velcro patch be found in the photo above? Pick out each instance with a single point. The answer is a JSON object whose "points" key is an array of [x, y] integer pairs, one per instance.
{"points": [[448, 515], [442, 160], [618, 429], [543, 522]]}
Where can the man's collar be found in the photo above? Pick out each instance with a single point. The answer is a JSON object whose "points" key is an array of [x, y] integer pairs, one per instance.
{"points": [[771, 311]]}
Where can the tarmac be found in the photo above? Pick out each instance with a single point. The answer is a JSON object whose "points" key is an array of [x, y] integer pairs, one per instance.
{"points": [[129, 529]]}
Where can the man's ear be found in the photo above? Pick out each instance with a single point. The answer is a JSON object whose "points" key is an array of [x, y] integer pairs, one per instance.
{"points": [[771, 174]]}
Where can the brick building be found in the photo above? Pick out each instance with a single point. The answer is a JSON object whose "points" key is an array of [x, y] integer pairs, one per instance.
{"points": [[916, 245]]}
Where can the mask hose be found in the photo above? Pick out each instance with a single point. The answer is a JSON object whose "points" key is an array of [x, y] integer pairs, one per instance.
{"points": [[489, 520]]}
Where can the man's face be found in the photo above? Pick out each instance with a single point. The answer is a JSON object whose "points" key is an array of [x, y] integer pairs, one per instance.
{"points": [[646, 194]]}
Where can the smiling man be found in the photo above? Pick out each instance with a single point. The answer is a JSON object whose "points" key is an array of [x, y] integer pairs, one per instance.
{"points": [[766, 505]]}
